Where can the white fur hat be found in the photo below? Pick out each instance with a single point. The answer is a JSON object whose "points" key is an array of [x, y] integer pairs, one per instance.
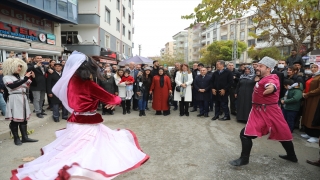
{"points": [[268, 61]]}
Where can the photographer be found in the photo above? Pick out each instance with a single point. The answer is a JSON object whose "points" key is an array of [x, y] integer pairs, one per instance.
{"points": [[39, 86]]}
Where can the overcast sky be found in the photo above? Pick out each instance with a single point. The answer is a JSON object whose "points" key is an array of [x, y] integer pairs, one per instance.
{"points": [[156, 21]]}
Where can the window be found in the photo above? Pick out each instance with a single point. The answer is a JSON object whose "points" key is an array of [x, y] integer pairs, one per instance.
{"points": [[124, 30], [118, 46], [224, 37], [123, 49], [129, 35], [129, 4], [214, 32], [208, 42], [242, 24], [232, 27], [107, 41], [129, 18], [65, 35], [242, 35], [118, 25], [208, 35], [50, 6], [63, 8], [124, 11], [231, 36], [107, 18], [251, 42], [129, 51], [118, 5], [250, 20]]}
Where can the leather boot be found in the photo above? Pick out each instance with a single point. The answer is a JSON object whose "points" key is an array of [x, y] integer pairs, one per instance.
{"points": [[143, 113], [140, 113], [245, 154], [24, 134], [291, 155], [14, 130], [123, 105]]}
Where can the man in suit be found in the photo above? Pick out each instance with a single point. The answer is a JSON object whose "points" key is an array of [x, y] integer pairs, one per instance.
{"points": [[134, 73], [221, 80], [53, 78], [195, 73], [236, 77], [39, 87], [202, 86]]}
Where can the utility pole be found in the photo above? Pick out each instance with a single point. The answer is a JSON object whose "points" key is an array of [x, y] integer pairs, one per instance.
{"points": [[139, 49], [235, 44]]}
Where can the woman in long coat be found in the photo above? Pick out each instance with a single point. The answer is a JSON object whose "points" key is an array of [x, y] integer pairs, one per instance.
{"points": [[183, 80], [108, 84], [125, 103], [311, 111], [161, 88], [244, 92]]}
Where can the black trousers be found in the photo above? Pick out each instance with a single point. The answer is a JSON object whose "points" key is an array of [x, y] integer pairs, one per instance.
{"points": [[232, 100], [184, 106], [126, 104], [222, 104]]}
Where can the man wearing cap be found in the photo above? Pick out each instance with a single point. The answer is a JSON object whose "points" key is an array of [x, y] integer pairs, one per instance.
{"points": [[266, 116], [52, 79]]}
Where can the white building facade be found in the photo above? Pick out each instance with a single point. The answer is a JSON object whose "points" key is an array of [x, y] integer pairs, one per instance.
{"points": [[104, 25]]}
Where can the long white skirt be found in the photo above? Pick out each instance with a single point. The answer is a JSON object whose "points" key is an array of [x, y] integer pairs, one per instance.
{"points": [[85, 151]]}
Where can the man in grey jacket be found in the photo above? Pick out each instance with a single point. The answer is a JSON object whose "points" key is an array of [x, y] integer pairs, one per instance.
{"points": [[294, 58]]}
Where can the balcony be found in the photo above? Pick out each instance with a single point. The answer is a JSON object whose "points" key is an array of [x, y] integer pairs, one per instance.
{"points": [[89, 49], [195, 53], [93, 19], [203, 33], [196, 45], [196, 38], [203, 41]]}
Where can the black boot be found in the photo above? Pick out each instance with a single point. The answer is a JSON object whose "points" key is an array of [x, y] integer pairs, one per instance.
{"points": [[291, 155], [140, 113], [158, 113], [14, 130], [123, 105], [24, 134], [143, 113], [246, 143]]}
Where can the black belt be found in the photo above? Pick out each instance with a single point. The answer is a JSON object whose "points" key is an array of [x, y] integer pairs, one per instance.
{"points": [[18, 93]]}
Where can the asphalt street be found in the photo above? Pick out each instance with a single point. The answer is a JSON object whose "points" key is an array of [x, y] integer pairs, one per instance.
{"points": [[181, 148]]}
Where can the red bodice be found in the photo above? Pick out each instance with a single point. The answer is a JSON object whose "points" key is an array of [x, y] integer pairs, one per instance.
{"points": [[84, 96]]}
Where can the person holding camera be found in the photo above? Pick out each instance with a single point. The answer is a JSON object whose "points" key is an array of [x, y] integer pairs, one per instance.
{"points": [[17, 81], [38, 88]]}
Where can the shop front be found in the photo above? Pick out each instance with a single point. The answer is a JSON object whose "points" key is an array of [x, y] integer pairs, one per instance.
{"points": [[26, 35]]}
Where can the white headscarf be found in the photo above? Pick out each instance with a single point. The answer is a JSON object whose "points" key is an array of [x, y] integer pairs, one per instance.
{"points": [[60, 89]]}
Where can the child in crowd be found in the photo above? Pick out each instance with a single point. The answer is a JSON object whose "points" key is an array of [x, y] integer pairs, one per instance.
{"points": [[129, 87], [291, 101]]}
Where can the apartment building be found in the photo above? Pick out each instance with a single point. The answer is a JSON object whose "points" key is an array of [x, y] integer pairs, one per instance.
{"points": [[194, 42], [169, 48], [181, 44], [102, 25]]}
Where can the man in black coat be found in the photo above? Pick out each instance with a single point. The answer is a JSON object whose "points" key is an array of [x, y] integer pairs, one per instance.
{"points": [[235, 77], [202, 85], [281, 79], [39, 87], [52, 79], [294, 58], [221, 80], [195, 73]]}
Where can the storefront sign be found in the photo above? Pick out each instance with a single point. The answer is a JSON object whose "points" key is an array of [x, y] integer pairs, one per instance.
{"points": [[15, 32], [14, 13]]}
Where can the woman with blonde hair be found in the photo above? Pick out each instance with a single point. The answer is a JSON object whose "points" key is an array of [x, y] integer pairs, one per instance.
{"points": [[183, 92], [16, 80]]}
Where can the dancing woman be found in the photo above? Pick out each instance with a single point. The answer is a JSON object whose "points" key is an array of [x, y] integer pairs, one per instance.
{"points": [[86, 149]]}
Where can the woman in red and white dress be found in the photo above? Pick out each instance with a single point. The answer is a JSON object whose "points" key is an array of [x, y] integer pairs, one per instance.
{"points": [[86, 149]]}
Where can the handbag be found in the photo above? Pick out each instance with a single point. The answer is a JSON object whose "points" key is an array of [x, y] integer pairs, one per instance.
{"points": [[178, 88]]}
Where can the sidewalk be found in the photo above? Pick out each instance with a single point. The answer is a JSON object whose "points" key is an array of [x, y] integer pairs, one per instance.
{"points": [[33, 122]]}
